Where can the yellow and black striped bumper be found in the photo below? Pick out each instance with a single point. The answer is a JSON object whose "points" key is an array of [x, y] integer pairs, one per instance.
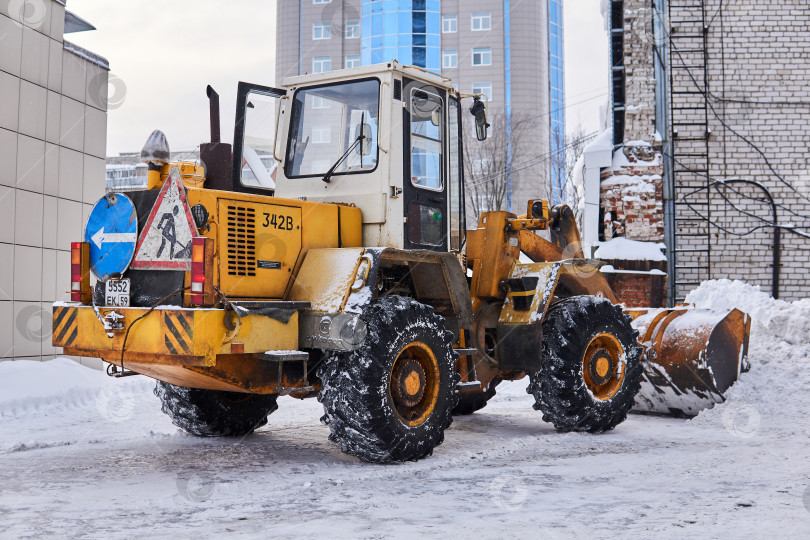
{"points": [[171, 336], [65, 326]]}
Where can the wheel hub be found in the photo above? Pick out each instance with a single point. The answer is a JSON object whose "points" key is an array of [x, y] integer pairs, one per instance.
{"points": [[600, 367], [409, 382]]}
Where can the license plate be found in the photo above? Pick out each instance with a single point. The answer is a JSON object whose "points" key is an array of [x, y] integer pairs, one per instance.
{"points": [[116, 293]]}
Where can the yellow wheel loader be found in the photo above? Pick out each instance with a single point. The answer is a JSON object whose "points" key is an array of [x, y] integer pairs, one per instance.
{"points": [[325, 255]]}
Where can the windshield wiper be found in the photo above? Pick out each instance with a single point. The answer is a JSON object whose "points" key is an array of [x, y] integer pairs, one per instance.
{"points": [[328, 176]]}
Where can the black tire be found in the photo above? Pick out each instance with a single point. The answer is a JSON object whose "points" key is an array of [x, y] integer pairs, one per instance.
{"points": [[212, 413], [470, 402], [560, 388], [358, 398]]}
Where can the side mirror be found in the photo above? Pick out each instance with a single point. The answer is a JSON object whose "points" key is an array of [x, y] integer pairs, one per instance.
{"points": [[479, 110]]}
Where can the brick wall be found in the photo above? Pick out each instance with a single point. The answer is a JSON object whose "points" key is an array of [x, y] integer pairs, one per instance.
{"points": [[639, 290], [758, 92], [632, 195], [638, 283], [639, 90], [758, 54]]}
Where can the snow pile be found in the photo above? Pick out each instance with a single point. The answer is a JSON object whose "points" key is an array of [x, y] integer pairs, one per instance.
{"points": [[772, 396], [630, 250], [776, 319], [610, 269], [27, 386]]}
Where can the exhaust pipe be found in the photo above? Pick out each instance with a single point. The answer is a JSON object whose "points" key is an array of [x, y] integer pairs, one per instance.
{"points": [[213, 99], [216, 155]]}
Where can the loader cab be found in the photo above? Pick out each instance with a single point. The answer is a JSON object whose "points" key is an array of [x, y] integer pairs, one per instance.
{"points": [[384, 138]]}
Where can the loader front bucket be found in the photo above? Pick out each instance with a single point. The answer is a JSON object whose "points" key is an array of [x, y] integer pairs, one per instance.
{"points": [[692, 356]]}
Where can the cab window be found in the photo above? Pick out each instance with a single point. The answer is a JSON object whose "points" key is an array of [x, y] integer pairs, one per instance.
{"points": [[329, 122], [427, 112], [258, 164]]}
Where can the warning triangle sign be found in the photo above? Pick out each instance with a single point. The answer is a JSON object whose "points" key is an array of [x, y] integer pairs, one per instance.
{"points": [[165, 241]]}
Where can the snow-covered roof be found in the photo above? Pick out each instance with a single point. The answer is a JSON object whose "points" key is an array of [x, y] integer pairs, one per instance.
{"points": [[87, 55], [623, 249], [637, 143], [603, 141]]}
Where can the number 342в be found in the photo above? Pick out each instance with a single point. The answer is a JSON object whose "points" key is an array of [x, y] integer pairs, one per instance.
{"points": [[284, 223]]}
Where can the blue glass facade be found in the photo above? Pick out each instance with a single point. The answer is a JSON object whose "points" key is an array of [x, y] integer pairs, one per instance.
{"points": [[557, 92], [405, 30]]}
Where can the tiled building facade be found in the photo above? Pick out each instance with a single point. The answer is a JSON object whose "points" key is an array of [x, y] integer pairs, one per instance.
{"points": [[53, 131]]}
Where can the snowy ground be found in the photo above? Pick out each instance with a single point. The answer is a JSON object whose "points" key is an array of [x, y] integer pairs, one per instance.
{"points": [[85, 455]]}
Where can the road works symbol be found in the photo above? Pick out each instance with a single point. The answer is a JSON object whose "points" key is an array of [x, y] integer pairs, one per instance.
{"points": [[165, 242], [111, 231]]}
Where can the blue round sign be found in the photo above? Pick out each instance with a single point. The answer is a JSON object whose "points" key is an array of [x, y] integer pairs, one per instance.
{"points": [[112, 232]]}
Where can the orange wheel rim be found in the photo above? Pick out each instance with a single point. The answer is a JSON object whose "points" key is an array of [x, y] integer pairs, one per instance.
{"points": [[603, 366], [414, 383]]}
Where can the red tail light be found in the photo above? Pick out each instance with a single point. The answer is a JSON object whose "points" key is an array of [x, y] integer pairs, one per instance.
{"points": [[80, 273], [198, 277]]}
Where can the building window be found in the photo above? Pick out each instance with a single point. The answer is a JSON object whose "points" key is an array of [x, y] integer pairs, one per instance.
{"points": [[321, 1], [481, 166], [483, 88], [352, 61], [449, 24], [481, 21], [321, 30], [320, 103], [352, 29], [321, 135], [482, 56], [321, 64], [450, 59]]}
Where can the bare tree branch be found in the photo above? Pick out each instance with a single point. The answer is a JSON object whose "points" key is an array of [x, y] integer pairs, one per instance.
{"points": [[487, 165]]}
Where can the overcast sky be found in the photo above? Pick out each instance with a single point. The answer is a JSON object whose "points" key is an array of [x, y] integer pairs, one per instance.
{"points": [[166, 52]]}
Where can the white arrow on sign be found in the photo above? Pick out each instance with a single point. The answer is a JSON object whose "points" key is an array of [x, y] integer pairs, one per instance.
{"points": [[101, 237]]}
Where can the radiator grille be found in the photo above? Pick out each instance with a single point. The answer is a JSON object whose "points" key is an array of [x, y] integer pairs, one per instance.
{"points": [[241, 241]]}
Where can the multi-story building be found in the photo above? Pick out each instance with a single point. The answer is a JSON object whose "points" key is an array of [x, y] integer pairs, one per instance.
{"points": [[721, 90], [509, 50], [53, 139]]}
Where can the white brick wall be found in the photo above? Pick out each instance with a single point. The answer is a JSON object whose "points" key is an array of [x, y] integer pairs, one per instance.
{"points": [[757, 52], [640, 81]]}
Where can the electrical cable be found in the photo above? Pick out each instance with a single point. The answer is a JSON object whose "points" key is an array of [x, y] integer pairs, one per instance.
{"points": [[706, 96], [533, 161], [150, 310], [685, 168]]}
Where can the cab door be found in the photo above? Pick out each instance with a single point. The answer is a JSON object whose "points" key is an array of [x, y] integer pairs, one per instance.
{"points": [[425, 165], [254, 163]]}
